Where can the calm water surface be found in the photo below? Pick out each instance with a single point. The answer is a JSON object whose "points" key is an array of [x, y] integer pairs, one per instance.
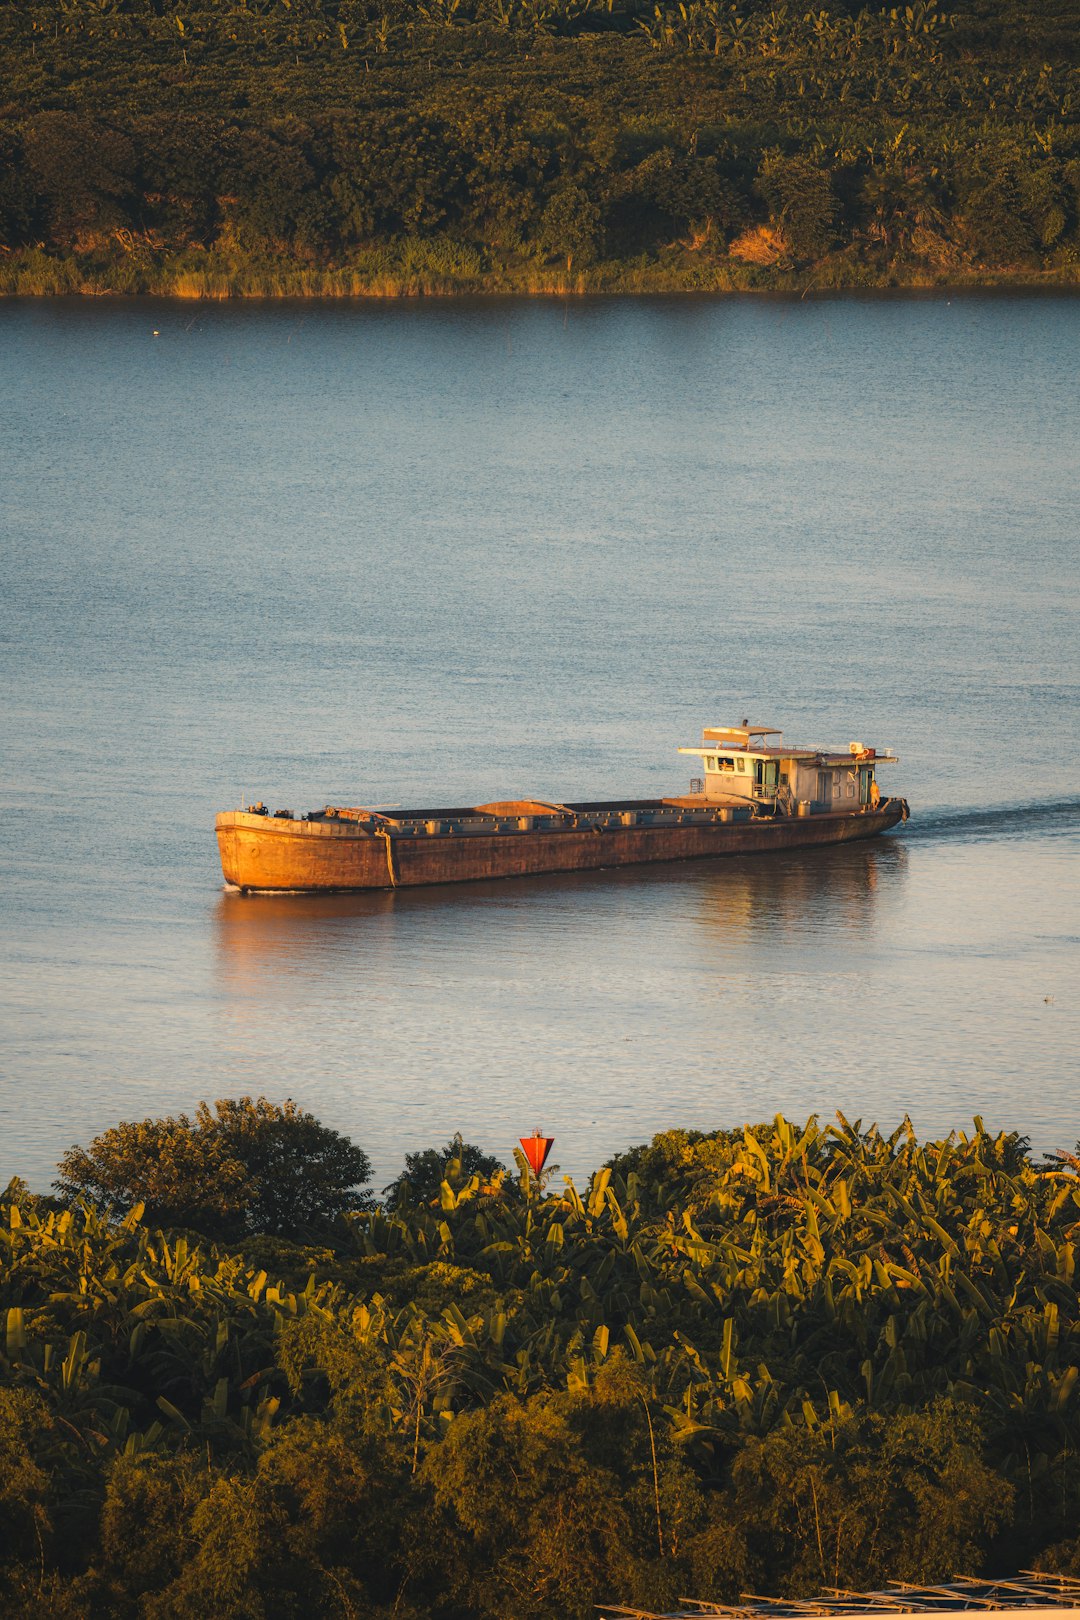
{"points": [[461, 552]]}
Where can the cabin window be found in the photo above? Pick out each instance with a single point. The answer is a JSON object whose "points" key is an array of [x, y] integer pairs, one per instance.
{"points": [[726, 764], [710, 763], [851, 790], [837, 787], [741, 763]]}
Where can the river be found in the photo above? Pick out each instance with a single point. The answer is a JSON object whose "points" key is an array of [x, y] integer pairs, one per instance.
{"points": [[454, 552]]}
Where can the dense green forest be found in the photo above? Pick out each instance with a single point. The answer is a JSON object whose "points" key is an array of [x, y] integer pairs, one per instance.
{"points": [[234, 1383], [357, 146]]}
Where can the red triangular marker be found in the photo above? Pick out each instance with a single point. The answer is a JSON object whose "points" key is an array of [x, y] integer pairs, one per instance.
{"points": [[536, 1149]]}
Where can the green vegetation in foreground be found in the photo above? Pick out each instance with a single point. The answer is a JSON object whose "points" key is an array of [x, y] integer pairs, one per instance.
{"points": [[768, 1360], [217, 148]]}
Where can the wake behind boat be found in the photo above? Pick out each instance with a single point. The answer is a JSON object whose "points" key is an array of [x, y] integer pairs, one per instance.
{"points": [[754, 794]]}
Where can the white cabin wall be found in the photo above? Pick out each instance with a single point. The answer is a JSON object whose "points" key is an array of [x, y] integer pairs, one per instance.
{"points": [[803, 779], [726, 787]]}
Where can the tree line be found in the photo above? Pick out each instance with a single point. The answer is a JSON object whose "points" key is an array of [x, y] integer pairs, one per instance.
{"points": [[506, 143], [234, 1381]]}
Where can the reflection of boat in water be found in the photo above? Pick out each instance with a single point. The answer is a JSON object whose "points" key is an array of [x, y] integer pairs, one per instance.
{"points": [[741, 920], [828, 897], [755, 795], [739, 902]]}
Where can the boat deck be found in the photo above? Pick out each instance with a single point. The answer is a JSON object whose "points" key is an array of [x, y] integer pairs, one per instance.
{"points": [[363, 849]]}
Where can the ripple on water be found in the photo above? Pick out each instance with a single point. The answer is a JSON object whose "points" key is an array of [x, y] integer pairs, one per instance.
{"points": [[470, 551]]}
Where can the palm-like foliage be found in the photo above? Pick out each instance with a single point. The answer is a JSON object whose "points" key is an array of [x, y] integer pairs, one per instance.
{"points": [[754, 1286]]}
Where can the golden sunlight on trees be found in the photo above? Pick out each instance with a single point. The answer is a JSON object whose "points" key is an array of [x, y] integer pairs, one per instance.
{"points": [[469, 145], [775, 1358], [241, 1166]]}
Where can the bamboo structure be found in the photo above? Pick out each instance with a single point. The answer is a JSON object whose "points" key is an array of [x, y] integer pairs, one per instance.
{"points": [[1030, 1589]]}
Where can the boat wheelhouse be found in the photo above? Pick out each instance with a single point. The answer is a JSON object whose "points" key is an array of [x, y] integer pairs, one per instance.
{"points": [[749, 765]]}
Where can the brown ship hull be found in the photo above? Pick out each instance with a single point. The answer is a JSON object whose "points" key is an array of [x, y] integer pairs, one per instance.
{"points": [[277, 853]]}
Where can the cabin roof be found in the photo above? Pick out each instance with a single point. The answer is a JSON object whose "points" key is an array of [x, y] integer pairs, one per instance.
{"points": [[742, 731], [739, 737], [825, 756]]}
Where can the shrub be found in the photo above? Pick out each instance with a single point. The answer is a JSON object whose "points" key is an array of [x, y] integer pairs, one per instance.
{"points": [[801, 201], [873, 1498], [570, 226], [425, 1171], [245, 1166]]}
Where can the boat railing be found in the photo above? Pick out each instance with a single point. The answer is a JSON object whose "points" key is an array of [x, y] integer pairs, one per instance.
{"points": [[608, 818], [598, 821]]}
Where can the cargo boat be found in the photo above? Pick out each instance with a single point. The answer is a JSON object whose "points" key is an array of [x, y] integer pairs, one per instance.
{"points": [[753, 794]]}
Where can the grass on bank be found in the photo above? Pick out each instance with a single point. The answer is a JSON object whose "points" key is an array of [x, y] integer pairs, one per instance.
{"points": [[419, 267]]}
